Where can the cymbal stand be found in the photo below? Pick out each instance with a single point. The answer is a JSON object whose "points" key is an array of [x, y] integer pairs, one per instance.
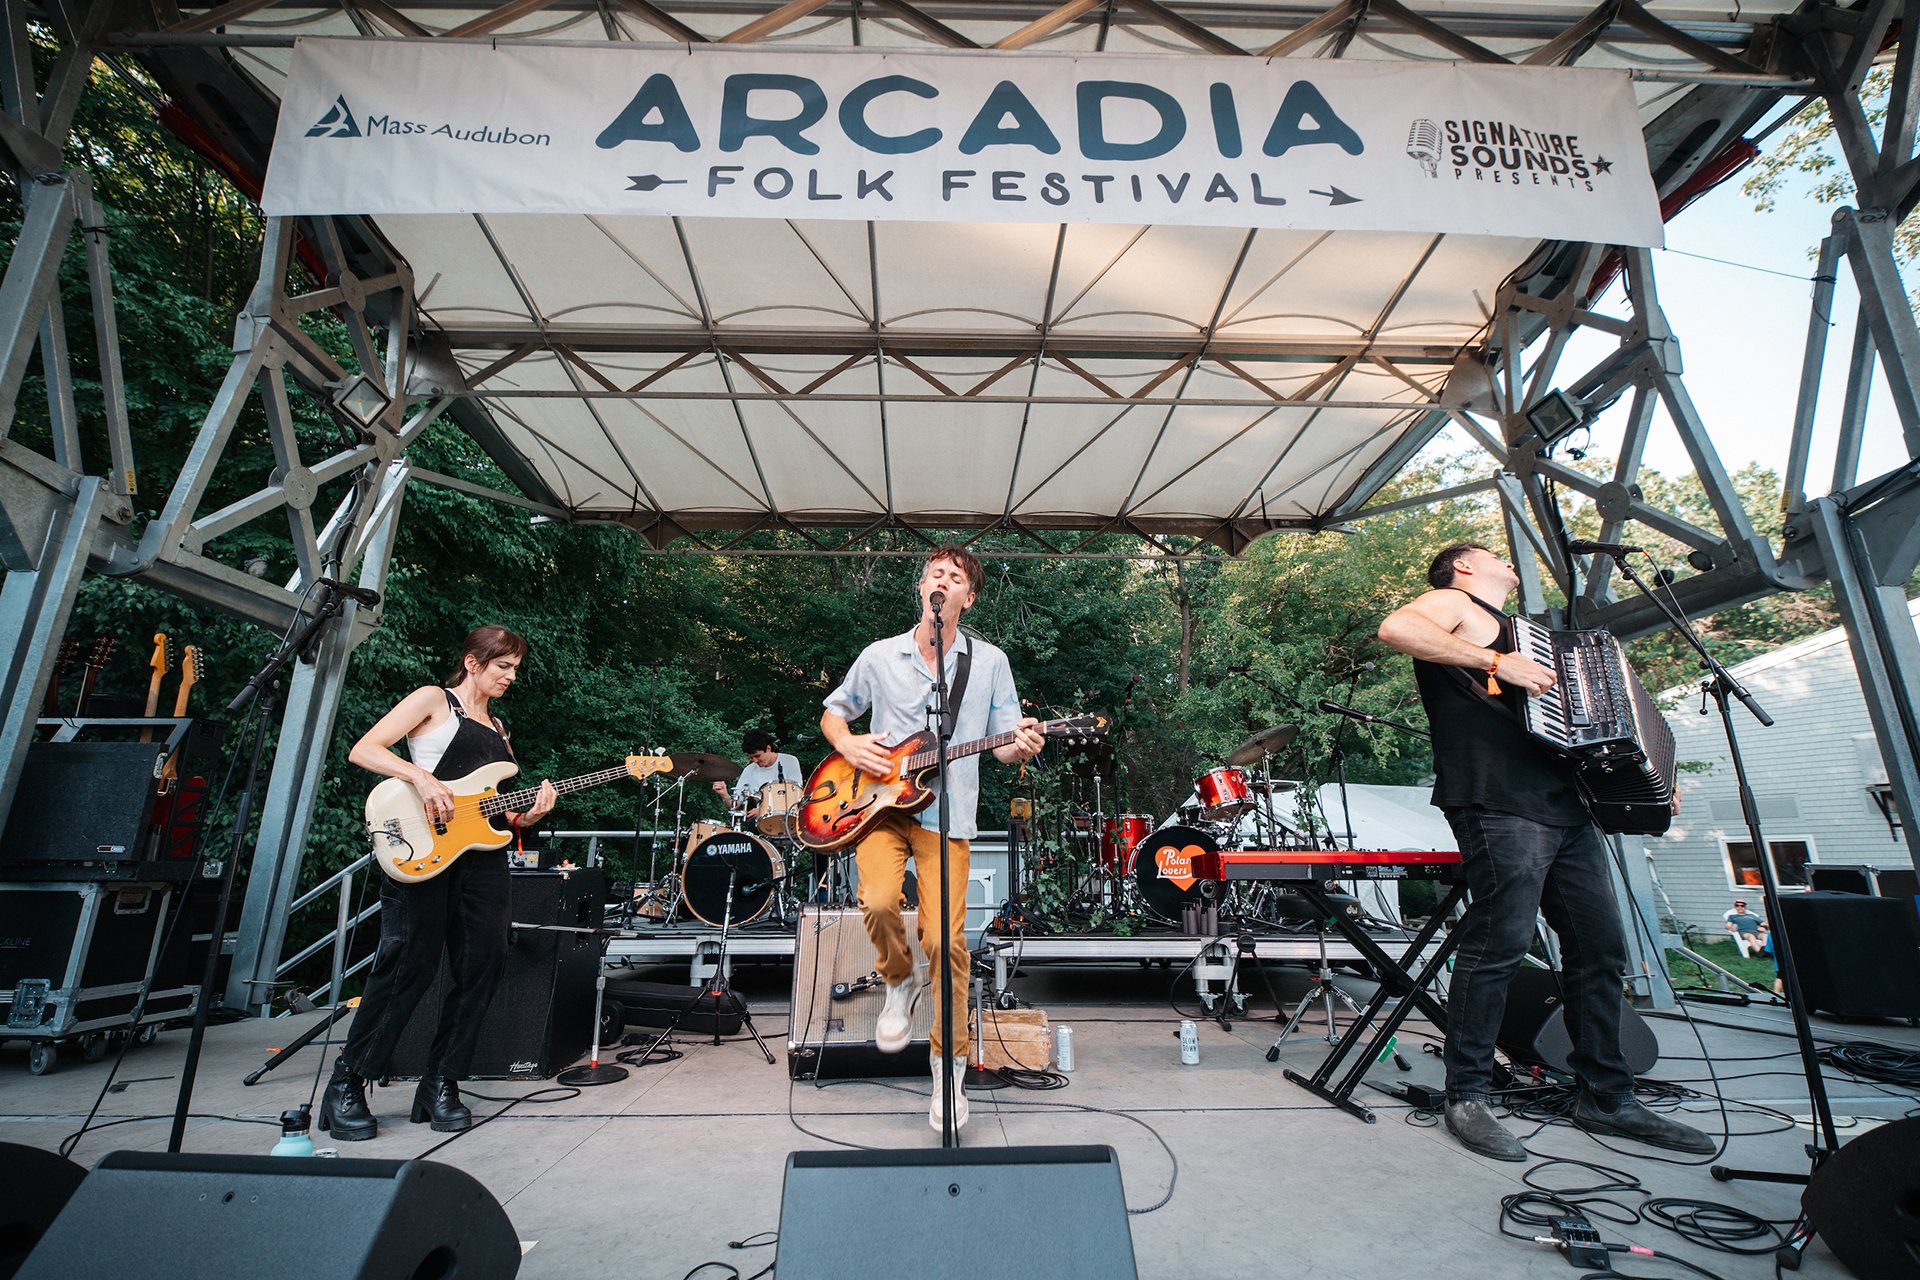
{"points": [[719, 987]]}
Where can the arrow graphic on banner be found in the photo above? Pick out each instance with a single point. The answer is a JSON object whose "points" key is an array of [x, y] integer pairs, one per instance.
{"points": [[1335, 196], [651, 182]]}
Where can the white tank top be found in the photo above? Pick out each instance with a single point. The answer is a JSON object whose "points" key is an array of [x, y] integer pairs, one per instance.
{"points": [[425, 749]]}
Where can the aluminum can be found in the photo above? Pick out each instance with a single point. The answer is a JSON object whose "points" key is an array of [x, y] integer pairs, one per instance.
{"points": [[1063, 1048], [1189, 1042]]}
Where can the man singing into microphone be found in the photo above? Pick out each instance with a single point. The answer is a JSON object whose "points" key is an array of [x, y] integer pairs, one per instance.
{"points": [[1527, 845], [894, 680]]}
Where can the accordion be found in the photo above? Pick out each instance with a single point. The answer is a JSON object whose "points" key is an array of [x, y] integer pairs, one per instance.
{"points": [[1602, 719]]}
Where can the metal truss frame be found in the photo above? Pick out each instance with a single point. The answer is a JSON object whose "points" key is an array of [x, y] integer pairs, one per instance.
{"points": [[58, 520]]}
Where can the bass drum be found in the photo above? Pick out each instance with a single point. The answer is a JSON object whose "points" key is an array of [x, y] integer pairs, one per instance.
{"points": [[1162, 869], [754, 865]]}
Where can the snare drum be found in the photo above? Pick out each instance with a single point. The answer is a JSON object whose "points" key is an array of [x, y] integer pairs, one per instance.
{"points": [[778, 800], [754, 865], [1224, 793], [1122, 834]]}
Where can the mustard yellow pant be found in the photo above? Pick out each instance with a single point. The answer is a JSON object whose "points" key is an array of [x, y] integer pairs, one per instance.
{"points": [[882, 859]]}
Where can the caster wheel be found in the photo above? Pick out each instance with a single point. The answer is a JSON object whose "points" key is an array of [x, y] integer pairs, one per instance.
{"points": [[147, 1034], [1273, 1053], [42, 1057], [1006, 1001], [93, 1048]]}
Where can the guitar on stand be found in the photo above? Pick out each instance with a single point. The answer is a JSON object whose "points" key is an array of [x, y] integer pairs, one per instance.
{"points": [[842, 803], [96, 659], [165, 655], [67, 660]]}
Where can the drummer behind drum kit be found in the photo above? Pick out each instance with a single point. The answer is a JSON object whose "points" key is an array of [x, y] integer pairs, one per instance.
{"points": [[753, 848]]}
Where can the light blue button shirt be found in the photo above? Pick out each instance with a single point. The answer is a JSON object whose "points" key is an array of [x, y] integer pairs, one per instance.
{"points": [[890, 679]]}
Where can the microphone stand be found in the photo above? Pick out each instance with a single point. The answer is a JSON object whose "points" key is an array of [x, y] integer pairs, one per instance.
{"points": [[1722, 687], [1339, 753], [265, 685], [943, 735], [1347, 713]]}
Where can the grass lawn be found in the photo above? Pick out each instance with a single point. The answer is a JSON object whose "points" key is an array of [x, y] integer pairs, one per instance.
{"points": [[1685, 973]]}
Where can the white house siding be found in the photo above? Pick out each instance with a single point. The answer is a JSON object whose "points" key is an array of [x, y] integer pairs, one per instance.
{"points": [[1809, 773]]}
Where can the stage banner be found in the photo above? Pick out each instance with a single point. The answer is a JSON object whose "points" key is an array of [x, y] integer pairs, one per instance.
{"points": [[430, 126]]}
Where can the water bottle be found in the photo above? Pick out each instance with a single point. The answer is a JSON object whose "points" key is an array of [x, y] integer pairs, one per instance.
{"points": [[1189, 1042], [1063, 1048], [294, 1138]]}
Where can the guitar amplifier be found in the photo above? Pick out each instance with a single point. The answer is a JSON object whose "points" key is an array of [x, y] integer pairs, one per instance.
{"points": [[830, 1037], [542, 1015]]}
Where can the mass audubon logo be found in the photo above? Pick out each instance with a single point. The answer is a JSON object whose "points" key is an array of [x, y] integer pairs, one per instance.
{"points": [[338, 122], [1503, 153]]}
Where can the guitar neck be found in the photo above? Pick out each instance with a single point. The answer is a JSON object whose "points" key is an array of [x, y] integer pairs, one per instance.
{"points": [[927, 759], [509, 801]]}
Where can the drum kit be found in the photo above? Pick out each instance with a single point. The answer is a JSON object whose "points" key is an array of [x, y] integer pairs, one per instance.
{"points": [[753, 848], [1137, 866]]}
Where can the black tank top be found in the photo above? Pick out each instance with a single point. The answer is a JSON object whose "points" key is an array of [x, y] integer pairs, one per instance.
{"points": [[1482, 757], [473, 744]]}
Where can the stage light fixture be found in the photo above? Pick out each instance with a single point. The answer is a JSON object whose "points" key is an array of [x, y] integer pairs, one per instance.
{"points": [[1554, 414], [361, 400]]}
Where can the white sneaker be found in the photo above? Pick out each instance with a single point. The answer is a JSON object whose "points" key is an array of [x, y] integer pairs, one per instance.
{"points": [[936, 1112], [891, 1028]]}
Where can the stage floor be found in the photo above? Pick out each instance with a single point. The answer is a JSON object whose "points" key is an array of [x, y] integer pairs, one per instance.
{"points": [[652, 1176]]}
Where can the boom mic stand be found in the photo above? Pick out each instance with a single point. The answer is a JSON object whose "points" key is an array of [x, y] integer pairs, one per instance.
{"points": [[1721, 686], [943, 735]]}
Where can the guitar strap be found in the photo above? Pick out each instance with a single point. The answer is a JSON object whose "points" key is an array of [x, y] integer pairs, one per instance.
{"points": [[962, 667]]}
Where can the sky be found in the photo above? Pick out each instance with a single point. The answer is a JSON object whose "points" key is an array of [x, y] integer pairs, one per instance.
{"points": [[1736, 286]]}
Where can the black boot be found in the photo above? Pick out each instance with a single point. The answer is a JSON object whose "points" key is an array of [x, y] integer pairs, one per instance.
{"points": [[343, 1107], [437, 1102]]}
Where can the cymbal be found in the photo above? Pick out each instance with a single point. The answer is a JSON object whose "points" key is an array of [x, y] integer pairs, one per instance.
{"points": [[703, 766], [1267, 742]]}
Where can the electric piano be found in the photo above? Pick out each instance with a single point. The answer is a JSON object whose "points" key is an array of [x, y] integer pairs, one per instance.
{"points": [[1328, 864]]}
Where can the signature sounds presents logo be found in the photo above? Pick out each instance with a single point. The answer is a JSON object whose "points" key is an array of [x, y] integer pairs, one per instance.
{"points": [[338, 122], [1503, 153]]}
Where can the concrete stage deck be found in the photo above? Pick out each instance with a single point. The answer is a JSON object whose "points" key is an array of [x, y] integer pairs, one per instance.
{"points": [[654, 1175]]}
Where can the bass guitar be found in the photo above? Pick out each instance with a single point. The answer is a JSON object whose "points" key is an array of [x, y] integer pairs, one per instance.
{"points": [[842, 802], [411, 847]]}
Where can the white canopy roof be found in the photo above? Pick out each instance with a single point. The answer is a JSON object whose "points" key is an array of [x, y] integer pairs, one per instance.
{"points": [[682, 374]]}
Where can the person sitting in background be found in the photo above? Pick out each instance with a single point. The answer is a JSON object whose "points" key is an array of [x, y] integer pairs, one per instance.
{"points": [[1745, 928]]}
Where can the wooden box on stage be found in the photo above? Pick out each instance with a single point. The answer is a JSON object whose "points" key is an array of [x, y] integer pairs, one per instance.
{"points": [[1013, 1038], [831, 1039]]}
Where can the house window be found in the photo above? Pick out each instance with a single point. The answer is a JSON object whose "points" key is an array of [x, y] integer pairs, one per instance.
{"points": [[1790, 858]]}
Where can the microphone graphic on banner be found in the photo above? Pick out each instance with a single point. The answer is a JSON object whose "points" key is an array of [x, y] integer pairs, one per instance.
{"points": [[1423, 144]]}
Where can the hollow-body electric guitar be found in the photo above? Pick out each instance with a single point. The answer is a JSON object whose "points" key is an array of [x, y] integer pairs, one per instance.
{"points": [[411, 847], [842, 802]]}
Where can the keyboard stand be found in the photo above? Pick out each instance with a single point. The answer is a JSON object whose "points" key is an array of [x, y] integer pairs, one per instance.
{"points": [[1404, 990]]}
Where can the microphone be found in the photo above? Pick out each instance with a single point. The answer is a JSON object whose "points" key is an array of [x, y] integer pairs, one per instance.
{"points": [[363, 595], [937, 600], [1365, 666], [1582, 547], [1342, 709]]}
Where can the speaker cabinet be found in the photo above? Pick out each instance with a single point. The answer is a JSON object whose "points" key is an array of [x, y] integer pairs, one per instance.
{"points": [[1049, 1212], [1857, 957], [35, 1186], [542, 1014], [1865, 1202], [830, 1039], [92, 944], [1533, 1030], [207, 1217], [659, 1004]]}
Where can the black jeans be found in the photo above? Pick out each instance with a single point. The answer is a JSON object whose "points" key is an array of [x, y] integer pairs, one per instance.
{"points": [[1515, 867], [465, 910]]}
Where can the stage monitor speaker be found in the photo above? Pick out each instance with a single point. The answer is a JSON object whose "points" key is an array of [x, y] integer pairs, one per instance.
{"points": [[35, 1186], [829, 1039], [1048, 1211], [1856, 957], [542, 1015], [1533, 1030], [166, 1216], [1831, 878], [1864, 1201]]}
